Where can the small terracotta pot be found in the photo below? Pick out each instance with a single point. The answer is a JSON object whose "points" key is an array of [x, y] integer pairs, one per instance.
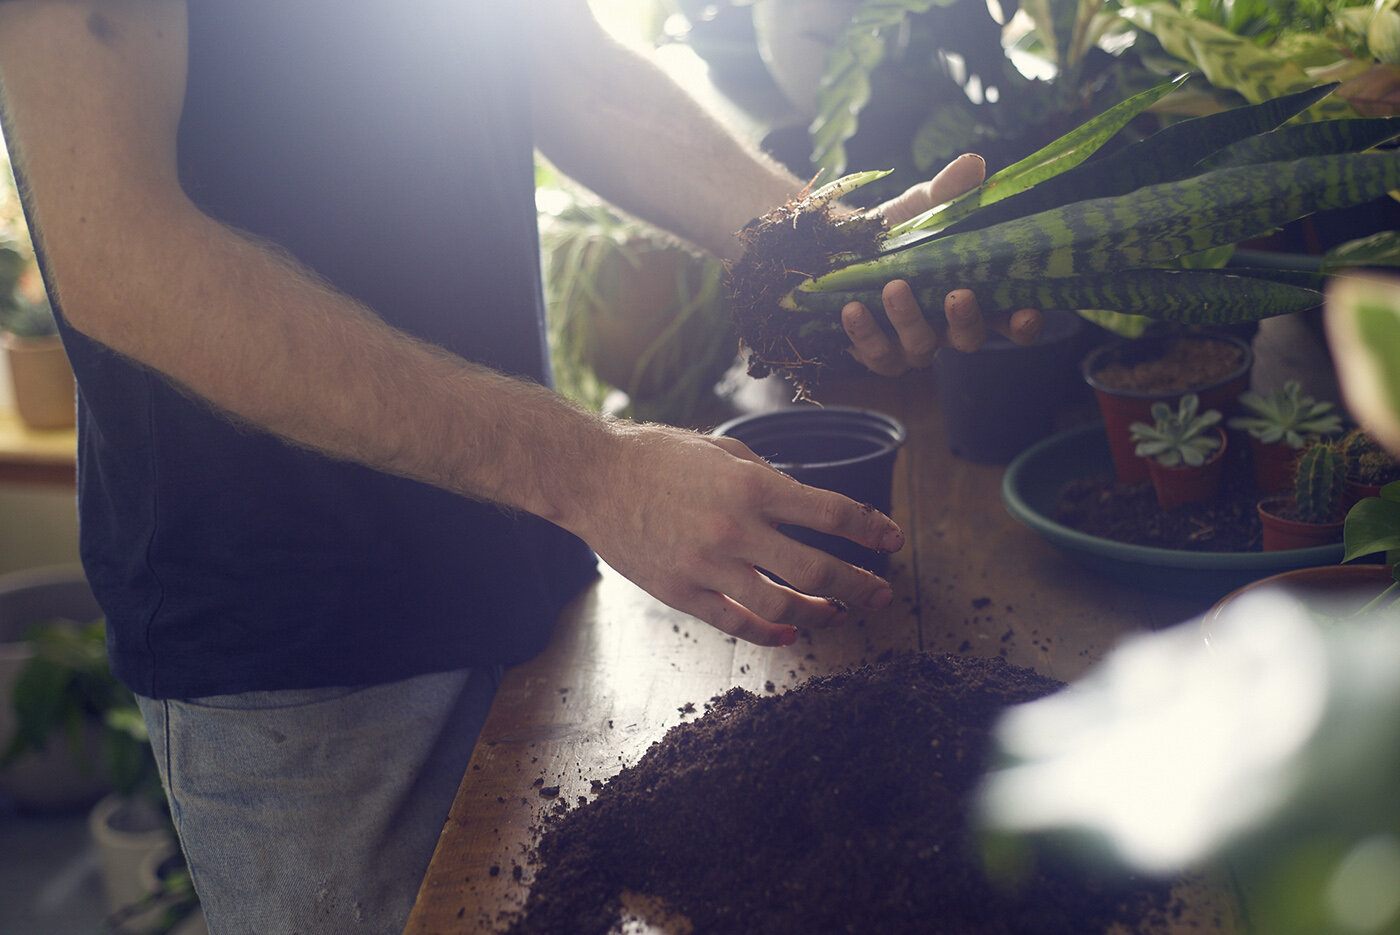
{"points": [[1183, 484], [1356, 491], [45, 395], [1120, 409], [1340, 589], [1281, 533], [1274, 464]]}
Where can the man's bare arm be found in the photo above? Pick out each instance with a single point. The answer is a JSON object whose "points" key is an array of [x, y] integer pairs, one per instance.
{"points": [[93, 92]]}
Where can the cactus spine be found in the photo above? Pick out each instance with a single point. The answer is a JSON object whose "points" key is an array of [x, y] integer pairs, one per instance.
{"points": [[1319, 482]]}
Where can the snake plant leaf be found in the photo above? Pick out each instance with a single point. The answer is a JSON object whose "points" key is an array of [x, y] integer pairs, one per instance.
{"points": [[1318, 138], [1187, 296], [1059, 156], [1171, 153], [843, 186], [1149, 227], [845, 86]]}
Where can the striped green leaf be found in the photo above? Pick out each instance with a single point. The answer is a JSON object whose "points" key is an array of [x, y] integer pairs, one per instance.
{"points": [[1187, 296], [1173, 152], [1059, 156], [1318, 138], [1148, 227]]}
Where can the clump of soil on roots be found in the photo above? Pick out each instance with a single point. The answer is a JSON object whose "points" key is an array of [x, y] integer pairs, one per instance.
{"points": [[841, 806], [786, 246]]}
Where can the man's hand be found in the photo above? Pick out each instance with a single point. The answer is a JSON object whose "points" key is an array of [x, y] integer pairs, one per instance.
{"points": [[916, 339], [691, 518]]}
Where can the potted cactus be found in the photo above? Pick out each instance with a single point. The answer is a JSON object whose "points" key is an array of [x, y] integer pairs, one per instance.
{"points": [[1184, 449], [1313, 513], [1369, 465], [1280, 425]]}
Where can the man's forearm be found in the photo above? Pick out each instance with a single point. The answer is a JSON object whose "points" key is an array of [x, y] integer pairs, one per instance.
{"points": [[609, 117], [241, 326]]}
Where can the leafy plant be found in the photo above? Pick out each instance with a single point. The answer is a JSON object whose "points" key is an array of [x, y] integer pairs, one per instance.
{"points": [[1319, 482], [1061, 230], [1259, 50], [1286, 415], [1180, 437], [68, 684], [589, 249], [19, 315]]}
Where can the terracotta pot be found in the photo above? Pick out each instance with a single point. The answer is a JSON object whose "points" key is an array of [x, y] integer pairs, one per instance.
{"points": [[1121, 408], [1356, 490], [1274, 464], [1337, 589], [1281, 533], [44, 391], [1183, 484]]}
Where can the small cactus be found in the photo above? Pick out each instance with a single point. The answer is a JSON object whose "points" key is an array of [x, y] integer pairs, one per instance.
{"points": [[1319, 483], [1367, 460]]}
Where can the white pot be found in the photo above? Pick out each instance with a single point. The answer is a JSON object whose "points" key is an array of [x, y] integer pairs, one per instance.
{"points": [[151, 870], [127, 832], [794, 38]]}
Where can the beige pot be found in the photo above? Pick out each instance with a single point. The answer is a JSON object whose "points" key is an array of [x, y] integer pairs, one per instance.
{"points": [[44, 388], [127, 831], [42, 379]]}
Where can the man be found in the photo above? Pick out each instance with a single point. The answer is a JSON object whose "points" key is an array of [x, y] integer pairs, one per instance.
{"points": [[323, 494]]}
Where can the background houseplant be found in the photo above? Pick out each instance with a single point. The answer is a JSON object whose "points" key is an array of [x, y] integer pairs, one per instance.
{"points": [[1184, 449], [1280, 424], [41, 378], [1312, 514]]}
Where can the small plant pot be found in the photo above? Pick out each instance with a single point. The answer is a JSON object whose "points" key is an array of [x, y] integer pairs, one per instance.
{"points": [[1335, 590], [1273, 465], [1122, 407], [848, 450], [44, 390], [1280, 532], [1183, 484], [1002, 398]]}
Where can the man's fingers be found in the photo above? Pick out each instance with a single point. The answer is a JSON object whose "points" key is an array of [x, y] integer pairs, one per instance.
{"points": [[962, 174], [870, 345], [1023, 326], [731, 617], [916, 336], [966, 329]]}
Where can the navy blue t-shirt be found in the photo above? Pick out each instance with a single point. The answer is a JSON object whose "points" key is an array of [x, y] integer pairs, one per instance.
{"points": [[386, 145]]}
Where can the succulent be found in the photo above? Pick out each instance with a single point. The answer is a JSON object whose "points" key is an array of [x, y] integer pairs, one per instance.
{"points": [[1319, 482], [1286, 415], [1180, 437]]}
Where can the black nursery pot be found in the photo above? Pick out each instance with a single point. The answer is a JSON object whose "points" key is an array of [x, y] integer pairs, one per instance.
{"points": [[848, 450], [1002, 398]]}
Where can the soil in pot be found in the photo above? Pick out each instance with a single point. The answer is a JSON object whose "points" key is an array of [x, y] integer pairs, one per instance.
{"points": [[1103, 506], [842, 805], [1129, 376]]}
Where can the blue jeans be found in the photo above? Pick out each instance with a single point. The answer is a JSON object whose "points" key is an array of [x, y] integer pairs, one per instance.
{"points": [[316, 811]]}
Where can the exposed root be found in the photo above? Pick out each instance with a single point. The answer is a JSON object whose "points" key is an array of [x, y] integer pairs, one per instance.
{"points": [[789, 244]]}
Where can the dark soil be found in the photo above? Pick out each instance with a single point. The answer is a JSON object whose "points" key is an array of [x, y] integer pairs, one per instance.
{"points": [[840, 806], [1188, 363], [782, 249], [1103, 506]]}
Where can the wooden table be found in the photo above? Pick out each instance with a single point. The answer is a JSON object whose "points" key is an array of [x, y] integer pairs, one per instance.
{"points": [[622, 666], [32, 456]]}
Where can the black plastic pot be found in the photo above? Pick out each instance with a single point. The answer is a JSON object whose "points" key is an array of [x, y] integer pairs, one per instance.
{"points": [[845, 449], [1002, 398]]}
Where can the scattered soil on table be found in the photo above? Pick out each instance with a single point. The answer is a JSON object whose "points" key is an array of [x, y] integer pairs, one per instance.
{"points": [[840, 806]]}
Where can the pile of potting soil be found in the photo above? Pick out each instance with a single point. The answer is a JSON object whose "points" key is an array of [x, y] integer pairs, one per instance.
{"points": [[840, 806]]}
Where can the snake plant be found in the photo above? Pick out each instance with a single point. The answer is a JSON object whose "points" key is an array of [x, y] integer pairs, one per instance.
{"points": [[1060, 229]]}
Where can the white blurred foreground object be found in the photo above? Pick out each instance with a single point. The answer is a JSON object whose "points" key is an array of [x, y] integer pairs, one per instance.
{"points": [[1276, 747]]}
